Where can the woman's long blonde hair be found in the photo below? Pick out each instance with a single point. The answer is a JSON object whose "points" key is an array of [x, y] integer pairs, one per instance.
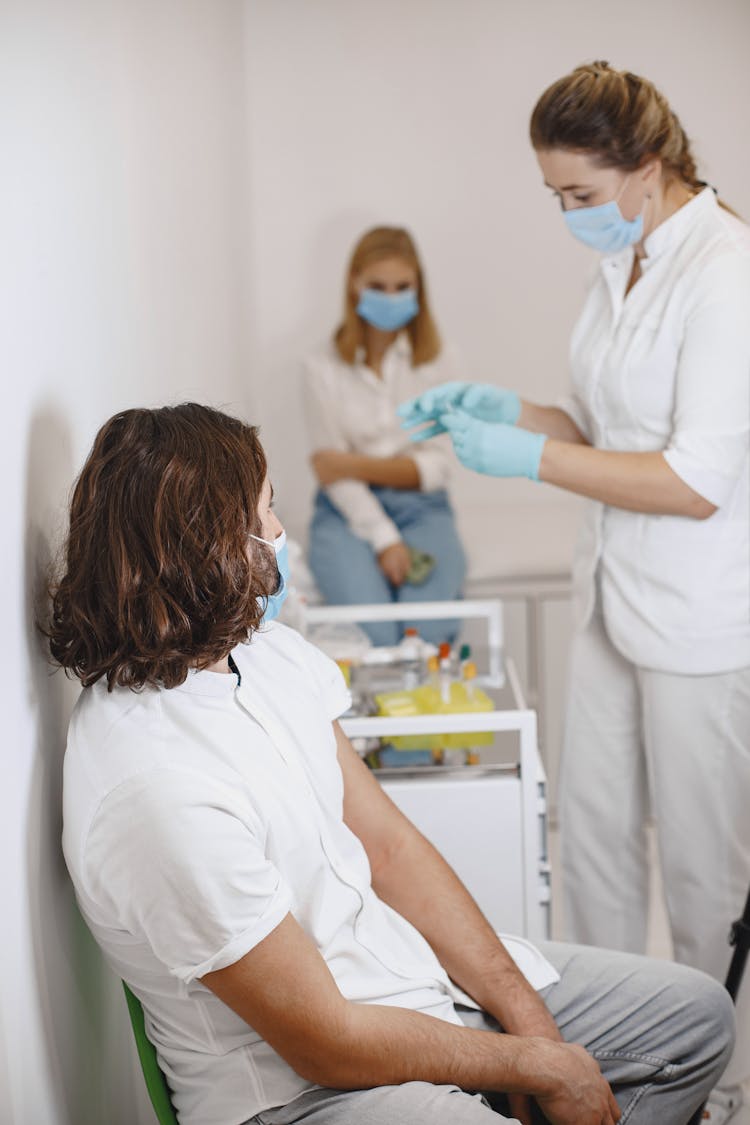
{"points": [[374, 246], [619, 118]]}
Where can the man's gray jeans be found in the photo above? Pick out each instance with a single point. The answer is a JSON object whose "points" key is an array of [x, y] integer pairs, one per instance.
{"points": [[661, 1033]]}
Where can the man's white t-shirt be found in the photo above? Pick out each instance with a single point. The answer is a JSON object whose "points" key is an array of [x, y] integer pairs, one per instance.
{"points": [[195, 819]]}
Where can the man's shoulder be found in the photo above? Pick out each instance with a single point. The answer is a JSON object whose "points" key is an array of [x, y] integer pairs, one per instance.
{"points": [[277, 658], [123, 741], [101, 715], [276, 641]]}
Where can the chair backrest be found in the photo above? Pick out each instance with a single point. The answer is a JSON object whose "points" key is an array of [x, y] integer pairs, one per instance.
{"points": [[156, 1083]]}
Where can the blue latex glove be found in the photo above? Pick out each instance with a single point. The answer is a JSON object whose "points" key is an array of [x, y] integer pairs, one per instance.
{"points": [[480, 400], [494, 448]]}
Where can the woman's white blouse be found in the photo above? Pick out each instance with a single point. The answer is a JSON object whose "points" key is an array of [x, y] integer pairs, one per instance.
{"points": [[667, 367], [348, 407]]}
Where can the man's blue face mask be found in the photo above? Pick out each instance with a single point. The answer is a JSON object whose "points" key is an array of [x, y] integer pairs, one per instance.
{"points": [[275, 601], [604, 228], [388, 311]]}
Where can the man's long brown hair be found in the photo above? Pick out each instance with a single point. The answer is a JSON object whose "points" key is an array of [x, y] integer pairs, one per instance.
{"points": [[157, 577]]}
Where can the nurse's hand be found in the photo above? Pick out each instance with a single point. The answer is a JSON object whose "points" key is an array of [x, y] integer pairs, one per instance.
{"points": [[395, 562], [480, 400], [496, 449]]}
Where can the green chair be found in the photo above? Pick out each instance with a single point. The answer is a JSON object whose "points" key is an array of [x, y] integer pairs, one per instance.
{"points": [[156, 1083]]}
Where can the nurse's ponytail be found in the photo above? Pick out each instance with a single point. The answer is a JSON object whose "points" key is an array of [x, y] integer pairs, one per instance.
{"points": [[617, 117]]}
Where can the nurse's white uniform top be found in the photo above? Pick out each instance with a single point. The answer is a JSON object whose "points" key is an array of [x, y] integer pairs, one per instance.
{"points": [[658, 714], [667, 367]]}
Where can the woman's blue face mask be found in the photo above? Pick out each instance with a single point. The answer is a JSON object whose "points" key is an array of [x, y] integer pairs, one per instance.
{"points": [[604, 228], [388, 311], [275, 601]]}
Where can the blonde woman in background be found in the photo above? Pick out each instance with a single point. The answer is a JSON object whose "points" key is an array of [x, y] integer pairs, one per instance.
{"points": [[380, 499], [655, 434]]}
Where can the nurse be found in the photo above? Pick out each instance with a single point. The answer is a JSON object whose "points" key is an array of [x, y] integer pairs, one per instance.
{"points": [[380, 498], [655, 434]]}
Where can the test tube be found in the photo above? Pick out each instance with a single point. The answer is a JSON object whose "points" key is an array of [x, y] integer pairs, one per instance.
{"points": [[445, 672], [433, 668], [469, 676]]}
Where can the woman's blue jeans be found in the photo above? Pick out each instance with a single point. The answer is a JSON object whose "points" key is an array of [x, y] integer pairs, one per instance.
{"points": [[347, 572]]}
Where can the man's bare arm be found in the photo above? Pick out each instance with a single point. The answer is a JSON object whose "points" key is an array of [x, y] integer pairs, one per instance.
{"points": [[412, 877], [285, 991]]}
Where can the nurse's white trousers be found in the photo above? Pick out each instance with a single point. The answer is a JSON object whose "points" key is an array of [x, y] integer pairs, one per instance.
{"points": [[640, 743]]}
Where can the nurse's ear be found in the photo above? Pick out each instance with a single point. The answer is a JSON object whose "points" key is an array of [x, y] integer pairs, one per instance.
{"points": [[650, 174]]}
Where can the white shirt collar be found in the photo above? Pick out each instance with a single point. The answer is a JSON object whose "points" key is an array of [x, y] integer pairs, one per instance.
{"points": [[401, 347], [668, 235], [203, 682]]}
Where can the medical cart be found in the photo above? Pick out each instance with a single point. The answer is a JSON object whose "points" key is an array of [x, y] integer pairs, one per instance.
{"points": [[488, 820]]}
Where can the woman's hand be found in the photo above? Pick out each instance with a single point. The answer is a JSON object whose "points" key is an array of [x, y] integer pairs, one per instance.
{"points": [[395, 562], [331, 465]]}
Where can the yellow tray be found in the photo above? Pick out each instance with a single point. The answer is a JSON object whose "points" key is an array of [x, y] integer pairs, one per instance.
{"points": [[427, 700]]}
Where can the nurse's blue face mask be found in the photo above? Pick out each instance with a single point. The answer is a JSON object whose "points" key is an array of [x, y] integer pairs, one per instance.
{"points": [[604, 228], [275, 601], [388, 311]]}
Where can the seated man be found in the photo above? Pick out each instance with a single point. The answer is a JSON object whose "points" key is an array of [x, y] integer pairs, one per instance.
{"points": [[302, 953]]}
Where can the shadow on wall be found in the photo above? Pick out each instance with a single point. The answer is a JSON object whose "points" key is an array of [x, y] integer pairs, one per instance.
{"points": [[279, 394], [82, 1014]]}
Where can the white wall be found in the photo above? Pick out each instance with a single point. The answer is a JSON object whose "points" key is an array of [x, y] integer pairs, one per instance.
{"points": [[120, 273], [416, 112], [181, 182]]}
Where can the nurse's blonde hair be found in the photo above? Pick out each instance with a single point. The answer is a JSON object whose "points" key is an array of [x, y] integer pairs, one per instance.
{"points": [[618, 118], [374, 246]]}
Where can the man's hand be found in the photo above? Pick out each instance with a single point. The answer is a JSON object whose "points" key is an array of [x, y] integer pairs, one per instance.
{"points": [[284, 989], [572, 1090], [331, 465], [520, 1108], [395, 562]]}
